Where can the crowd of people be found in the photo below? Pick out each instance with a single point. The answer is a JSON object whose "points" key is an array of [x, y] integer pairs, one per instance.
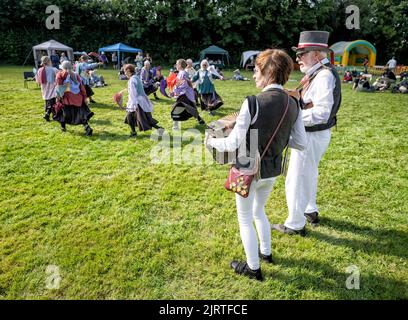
{"points": [[301, 120], [65, 86], [387, 81]]}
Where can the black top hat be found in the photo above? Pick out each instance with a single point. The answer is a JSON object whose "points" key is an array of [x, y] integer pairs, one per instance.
{"points": [[313, 41]]}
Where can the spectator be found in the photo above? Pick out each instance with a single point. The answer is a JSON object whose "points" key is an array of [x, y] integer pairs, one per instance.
{"points": [[104, 59], [392, 64], [63, 58], [348, 78], [148, 58], [365, 64], [139, 61], [55, 60], [115, 61]]}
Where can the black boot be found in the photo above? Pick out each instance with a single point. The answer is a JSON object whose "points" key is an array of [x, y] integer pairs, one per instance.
{"points": [[265, 258], [242, 268], [63, 129], [201, 120], [88, 130]]}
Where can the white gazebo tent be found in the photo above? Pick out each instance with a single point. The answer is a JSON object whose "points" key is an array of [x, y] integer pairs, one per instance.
{"points": [[246, 55], [49, 46]]}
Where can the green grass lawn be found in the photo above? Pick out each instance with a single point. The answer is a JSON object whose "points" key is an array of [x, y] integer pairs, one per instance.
{"points": [[120, 227]]}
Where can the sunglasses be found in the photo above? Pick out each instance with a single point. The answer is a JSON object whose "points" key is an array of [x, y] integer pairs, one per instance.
{"points": [[301, 54]]}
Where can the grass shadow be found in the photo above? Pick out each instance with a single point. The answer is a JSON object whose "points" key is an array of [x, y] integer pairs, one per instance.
{"points": [[102, 122], [332, 281], [384, 241]]}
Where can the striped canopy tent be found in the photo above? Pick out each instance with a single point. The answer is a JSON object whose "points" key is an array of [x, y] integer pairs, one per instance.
{"points": [[353, 53]]}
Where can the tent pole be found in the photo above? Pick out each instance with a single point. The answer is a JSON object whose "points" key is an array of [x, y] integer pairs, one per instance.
{"points": [[27, 57]]}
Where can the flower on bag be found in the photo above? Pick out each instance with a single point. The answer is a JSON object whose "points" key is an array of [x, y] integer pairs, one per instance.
{"points": [[239, 186]]}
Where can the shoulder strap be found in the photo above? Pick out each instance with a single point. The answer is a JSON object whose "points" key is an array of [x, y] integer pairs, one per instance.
{"points": [[277, 128], [252, 106]]}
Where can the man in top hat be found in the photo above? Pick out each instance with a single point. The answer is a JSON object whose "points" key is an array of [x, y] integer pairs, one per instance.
{"points": [[320, 98]]}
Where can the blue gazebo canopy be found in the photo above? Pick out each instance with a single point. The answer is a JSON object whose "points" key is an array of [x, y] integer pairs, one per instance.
{"points": [[119, 47]]}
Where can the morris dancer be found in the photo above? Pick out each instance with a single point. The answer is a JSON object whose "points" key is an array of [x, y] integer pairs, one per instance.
{"points": [[191, 73], [320, 97], [209, 99], [82, 69], [185, 107], [148, 81], [71, 107], [139, 108], [46, 79]]}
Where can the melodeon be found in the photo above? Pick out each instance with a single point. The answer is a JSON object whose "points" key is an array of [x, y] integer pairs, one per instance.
{"points": [[221, 128]]}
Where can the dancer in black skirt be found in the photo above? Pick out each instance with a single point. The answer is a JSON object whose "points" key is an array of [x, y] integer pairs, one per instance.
{"points": [[139, 108], [71, 107], [185, 106]]}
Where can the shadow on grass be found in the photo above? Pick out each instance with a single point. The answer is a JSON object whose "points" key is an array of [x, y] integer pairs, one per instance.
{"points": [[104, 136], [332, 281], [384, 241], [99, 105], [99, 122]]}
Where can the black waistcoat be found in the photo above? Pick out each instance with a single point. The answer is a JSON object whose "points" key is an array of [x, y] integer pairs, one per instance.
{"points": [[272, 104]]}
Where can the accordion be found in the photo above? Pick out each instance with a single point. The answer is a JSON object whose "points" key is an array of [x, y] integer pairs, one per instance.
{"points": [[221, 128]]}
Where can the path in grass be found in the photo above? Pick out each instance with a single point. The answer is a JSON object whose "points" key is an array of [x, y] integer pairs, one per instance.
{"points": [[117, 226]]}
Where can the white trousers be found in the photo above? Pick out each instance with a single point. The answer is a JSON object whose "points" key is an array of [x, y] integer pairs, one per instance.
{"points": [[252, 209], [301, 179]]}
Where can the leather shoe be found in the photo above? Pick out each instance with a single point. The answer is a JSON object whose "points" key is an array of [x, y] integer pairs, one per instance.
{"points": [[241, 267], [283, 229], [312, 218], [265, 258]]}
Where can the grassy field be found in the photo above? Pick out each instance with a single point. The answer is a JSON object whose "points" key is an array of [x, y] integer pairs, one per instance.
{"points": [[97, 215]]}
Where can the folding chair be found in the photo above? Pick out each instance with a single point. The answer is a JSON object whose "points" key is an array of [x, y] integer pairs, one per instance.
{"points": [[28, 76]]}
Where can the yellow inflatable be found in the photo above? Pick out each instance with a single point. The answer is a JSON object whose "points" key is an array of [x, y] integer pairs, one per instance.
{"points": [[353, 53]]}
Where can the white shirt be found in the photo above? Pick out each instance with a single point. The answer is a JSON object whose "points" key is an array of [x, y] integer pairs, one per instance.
{"points": [[134, 99], [237, 136], [320, 93], [392, 63]]}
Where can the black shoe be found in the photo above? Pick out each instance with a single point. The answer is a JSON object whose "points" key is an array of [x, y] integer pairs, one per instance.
{"points": [[63, 129], [90, 115], [88, 131], [47, 117], [92, 100], [313, 218], [265, 258], [281, 228], [242, 268], [133, 134]]}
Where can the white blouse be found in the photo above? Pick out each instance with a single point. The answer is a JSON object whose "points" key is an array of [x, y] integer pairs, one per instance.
{"points": [[137, 97]]}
